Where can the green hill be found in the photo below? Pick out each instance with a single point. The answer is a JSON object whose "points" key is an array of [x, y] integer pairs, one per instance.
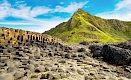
{"points": [[83, 26]]}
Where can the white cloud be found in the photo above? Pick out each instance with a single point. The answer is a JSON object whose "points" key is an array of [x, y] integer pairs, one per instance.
{"points": [[122, 11], [29, 14], [4, 10], [25, 12], [18, 23], [21, 12], [123, 4], [70, 8], [39, 11], [37, 25]]}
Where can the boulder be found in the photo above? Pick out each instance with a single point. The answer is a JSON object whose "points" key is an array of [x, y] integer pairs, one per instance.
{"points": [[6, 76], [81, 50], [96, 50], [11, 69], [31, 67], [80, 71], [116, 55], [19, 74]]}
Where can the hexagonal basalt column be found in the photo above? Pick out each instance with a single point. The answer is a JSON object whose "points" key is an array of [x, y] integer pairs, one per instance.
{"points": [[9, 35]]}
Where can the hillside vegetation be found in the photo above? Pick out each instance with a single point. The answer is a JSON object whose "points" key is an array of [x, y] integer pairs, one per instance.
{"points": [[83, 26]]}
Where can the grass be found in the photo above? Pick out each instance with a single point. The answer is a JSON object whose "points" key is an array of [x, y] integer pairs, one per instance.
{"points": [[90, 54], [77, 29]]}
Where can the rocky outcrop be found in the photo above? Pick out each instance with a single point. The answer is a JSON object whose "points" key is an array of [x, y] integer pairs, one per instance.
{"points": [[52, 61], [16, 36], [26, 56], [96, 50], [116, 53]]}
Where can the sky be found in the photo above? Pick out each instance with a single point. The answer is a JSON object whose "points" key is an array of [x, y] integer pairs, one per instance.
{"points": [[42, 15]]}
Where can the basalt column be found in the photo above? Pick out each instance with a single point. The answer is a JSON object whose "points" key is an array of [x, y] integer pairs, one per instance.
{"points": [[37, 38], [15, 36]]}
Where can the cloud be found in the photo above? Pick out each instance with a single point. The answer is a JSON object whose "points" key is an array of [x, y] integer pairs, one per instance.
{"points": [[4, 10], [122, 11], [21, 11], [70, 8], [37, 25], [18, 23], [39, 11], [29, 14], [25, 12], [123, 4]]}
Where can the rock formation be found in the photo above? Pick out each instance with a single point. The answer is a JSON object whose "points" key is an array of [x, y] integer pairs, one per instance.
{"points": [[16, 36], [26, 55], [116, 53]]}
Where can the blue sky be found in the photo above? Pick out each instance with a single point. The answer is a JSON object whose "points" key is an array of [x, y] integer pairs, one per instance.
{"points": [[41, 15]]}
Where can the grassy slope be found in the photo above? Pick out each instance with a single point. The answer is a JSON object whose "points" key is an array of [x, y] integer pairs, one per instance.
{"points": [[83, 26]]}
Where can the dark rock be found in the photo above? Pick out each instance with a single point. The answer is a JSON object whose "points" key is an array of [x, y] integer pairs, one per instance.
{"points": [[50, 54], [68, 55], [117, 55], [96, 50], [37, 70], [95, 41], [84, 43], [19, 53], [81, 50], [125, 45], [81, 55]]}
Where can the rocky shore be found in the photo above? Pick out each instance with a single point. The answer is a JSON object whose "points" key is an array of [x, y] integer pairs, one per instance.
{"points": [[26, 55], [53, 61]]}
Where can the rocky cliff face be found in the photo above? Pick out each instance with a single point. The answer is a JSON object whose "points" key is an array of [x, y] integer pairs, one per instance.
{"points": [[16, 36]]}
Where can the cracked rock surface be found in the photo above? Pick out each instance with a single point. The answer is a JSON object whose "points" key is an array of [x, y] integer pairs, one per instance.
{"points": [[53, 61]]}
